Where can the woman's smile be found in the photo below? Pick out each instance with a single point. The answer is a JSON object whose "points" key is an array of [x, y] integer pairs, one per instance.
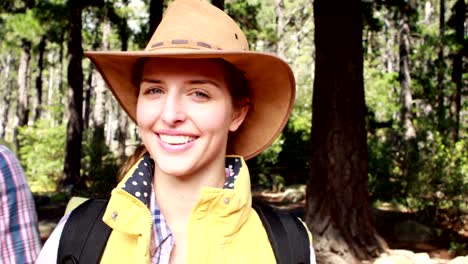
{"points": [[176, 140], [185, 113]]}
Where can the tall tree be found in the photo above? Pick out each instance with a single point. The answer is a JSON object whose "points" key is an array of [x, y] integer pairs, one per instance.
{"points": [[337, 196], [441, 70], [406, 97], [457, 71], [155, 16], [280, 24], [218, 3], [22, 106], [99, 111], [6, 94], [72, 163], [40, 69]]}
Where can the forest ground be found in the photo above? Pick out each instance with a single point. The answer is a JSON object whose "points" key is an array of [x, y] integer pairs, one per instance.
{"points": [[443, 239]]}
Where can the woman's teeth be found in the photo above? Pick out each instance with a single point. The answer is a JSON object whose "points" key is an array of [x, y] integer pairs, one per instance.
{"points": [[176, 139]]}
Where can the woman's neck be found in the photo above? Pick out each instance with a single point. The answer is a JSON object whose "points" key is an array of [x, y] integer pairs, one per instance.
{"points": [[177, 196]]}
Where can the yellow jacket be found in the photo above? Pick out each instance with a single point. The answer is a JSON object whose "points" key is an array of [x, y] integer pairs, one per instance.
{"points": [[223, 228]]}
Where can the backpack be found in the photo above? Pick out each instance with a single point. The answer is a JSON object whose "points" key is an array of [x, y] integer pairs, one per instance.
{"points": [[85, 235]]}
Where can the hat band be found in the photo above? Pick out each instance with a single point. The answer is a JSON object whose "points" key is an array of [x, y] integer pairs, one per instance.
{"points": [[182, 43]]}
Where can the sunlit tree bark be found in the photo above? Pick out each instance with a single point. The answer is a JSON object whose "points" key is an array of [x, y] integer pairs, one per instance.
{"points": [[22, 107], [406, 97], [6, 92]]}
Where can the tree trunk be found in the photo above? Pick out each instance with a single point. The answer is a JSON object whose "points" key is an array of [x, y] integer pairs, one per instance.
{"points": [[337, 197], [155, 16], [280, 47], [61, 88], [50, 85], [6, 87], [72, 164], [218, 3], [123, 122], [88, 93], [90, 84], [460, 8], [441, 71], [388, 45], [406, 98], [99, 113], [110, 122], [122, 135], [124, 35], [22, 107], [40, 69], [409, 149]]}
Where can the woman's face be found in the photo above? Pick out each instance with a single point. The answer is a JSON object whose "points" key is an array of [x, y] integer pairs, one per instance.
{"points": [[184, 113]]}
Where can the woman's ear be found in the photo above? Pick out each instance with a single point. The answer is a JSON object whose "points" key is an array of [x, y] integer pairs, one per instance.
{"points": [[239, 114]]}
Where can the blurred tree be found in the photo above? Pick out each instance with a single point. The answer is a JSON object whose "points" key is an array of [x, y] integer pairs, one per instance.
{"points": [[40, 69], [218, 3], [72, 164], [337, 197], [23, 29], [441, 70], [155, 16], [458, 67]]}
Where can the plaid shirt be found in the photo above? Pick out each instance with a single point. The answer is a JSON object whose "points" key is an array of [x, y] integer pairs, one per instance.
{"points": [[19, 236]]}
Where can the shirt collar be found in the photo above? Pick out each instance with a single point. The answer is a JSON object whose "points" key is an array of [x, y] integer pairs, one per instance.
{"points": [[233, 197]]}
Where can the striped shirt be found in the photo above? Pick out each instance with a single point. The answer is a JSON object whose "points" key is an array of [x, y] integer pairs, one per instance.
{"points": [[19, 235]]}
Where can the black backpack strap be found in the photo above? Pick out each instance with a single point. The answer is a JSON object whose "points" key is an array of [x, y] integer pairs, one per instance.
{"points": [[288, 236], [84, 235]]}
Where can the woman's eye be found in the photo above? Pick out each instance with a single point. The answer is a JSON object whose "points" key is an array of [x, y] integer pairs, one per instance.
{"points": [[201, 94], [155, 90]]}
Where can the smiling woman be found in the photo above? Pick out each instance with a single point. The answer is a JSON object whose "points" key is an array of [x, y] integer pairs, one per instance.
{"points": [[184, 113], [203, 103]]}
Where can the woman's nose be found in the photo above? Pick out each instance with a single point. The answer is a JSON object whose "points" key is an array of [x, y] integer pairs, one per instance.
{"points": [[173, 111]]}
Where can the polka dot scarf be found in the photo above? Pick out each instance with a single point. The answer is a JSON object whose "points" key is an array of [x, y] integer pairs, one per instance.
{"points": [[139, 184]]}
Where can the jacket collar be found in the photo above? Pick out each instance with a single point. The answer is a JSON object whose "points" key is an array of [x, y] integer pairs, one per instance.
{"points": [[128, 209]]}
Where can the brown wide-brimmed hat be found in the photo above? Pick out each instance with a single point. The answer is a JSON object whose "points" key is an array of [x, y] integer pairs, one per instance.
{"points": [[196, 29]]}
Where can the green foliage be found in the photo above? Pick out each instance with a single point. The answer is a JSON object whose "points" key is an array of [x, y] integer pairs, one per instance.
{"points": [[428, 172], [439, 179], [245, 14], [42, 154], [443, 178], [381, 92], [286, 161], [262, 165], [99, 166], [22, 26]]}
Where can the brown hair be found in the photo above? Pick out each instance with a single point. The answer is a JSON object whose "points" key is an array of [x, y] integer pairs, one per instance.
{"points": [[139, 152], [237, 84]]}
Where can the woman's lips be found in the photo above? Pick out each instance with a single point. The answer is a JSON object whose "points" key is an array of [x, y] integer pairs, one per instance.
{"points": [[176, 140], [176, 143]]}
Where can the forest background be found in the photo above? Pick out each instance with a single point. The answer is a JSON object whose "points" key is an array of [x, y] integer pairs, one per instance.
{"points": [[379, 119]]}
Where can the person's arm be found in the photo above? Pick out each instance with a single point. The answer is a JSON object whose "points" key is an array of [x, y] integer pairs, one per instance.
{"points": [[19, 234], [48, 253], [311, 247]]}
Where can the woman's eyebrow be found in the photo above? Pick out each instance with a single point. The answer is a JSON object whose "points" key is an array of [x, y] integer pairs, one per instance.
{"points": [[204, 81], [151, 80]]}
